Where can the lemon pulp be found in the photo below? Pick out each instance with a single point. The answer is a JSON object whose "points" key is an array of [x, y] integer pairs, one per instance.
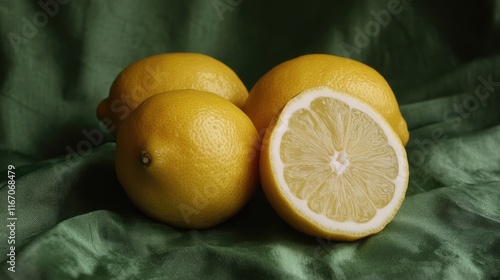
{"points": [[335, 164]]}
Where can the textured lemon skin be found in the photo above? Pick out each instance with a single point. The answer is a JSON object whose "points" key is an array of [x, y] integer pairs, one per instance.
{"points": [[285, 208], [204, 162], [165, 72], [273, 90]]}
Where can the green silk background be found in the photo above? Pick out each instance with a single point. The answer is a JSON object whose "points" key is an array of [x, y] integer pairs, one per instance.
{"points": [[59, 58]]}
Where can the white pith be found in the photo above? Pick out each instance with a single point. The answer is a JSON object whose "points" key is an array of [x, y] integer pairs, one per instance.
{"points": [[339, 161]]}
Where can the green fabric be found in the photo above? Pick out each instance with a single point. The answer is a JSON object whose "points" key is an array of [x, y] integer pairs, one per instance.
{"points": [[58, 60]]}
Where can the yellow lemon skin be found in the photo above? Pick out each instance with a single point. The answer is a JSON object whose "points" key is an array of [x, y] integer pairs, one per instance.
{"points": [[188, 158], [273, 90], [300, 174], [165, 72]]}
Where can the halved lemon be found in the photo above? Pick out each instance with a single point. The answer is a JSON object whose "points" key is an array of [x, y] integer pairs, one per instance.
{"points": [[331, 166]]}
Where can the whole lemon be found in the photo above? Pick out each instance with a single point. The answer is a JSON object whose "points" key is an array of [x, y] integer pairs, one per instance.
{"points": [[273, 90], [165, 72], [188, 158]]}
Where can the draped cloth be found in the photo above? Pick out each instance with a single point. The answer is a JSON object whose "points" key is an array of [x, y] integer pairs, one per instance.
{"points": [[70, 218]]}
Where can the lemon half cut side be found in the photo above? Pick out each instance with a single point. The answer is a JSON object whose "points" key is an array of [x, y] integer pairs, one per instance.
{"points": [[332, 166]]}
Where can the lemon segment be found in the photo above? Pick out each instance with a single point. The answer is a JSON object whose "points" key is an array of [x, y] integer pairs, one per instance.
{"points": [[332, 166]]}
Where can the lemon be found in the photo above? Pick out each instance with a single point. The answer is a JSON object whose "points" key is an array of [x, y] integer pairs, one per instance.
{"points": [[332, 166], [164, 72], [273, 90], [188, 158]]}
